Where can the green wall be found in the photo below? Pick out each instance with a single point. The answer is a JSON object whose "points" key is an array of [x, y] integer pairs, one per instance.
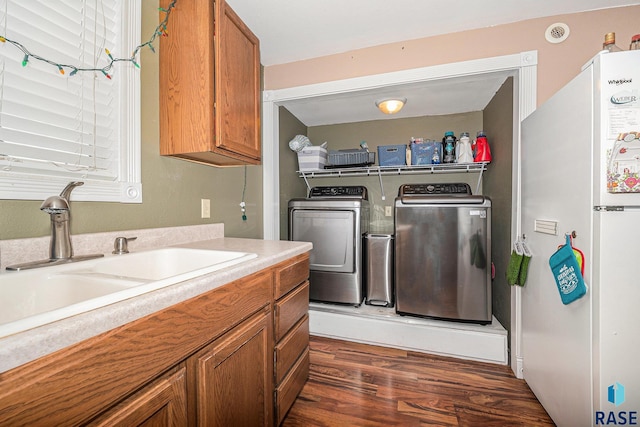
{"points": [[290, 185], [171, 188], [498, 123]]}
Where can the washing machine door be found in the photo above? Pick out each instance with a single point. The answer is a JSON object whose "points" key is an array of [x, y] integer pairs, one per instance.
{"points": [[333, 234]]}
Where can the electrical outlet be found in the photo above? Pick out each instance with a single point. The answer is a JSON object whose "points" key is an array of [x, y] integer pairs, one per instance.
{"points": [[388, 211], [205, 208]]}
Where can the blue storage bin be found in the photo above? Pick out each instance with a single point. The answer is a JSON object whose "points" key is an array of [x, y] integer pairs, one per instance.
{"points": [[392, 155], [422, 152]]}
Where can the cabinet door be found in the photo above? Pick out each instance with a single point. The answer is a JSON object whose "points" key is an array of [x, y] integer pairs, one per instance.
{"points": [[209, 86], [163, 403], [237, 85], [233, 376]]}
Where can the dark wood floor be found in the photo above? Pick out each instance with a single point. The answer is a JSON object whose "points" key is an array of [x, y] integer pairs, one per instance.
{"points": [[353, 384]]}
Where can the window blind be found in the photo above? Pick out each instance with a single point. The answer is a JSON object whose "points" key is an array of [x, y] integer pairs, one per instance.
{"points": [[57, 127]]}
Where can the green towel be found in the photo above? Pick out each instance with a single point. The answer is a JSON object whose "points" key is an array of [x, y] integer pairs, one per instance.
{"points": [[522, 277], [513, 269]]}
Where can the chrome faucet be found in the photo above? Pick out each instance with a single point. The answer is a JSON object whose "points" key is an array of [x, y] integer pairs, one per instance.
{"points": [[60, 249], [58, 207]]}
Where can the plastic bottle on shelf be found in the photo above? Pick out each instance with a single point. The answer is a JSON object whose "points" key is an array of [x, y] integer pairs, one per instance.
{"points": [[435, 159], [610, 43], [464, 153], [481, 148], [449, 147], [635, 42]]}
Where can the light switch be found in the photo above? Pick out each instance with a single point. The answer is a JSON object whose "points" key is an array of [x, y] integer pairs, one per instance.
{"points": [[205, 208]]}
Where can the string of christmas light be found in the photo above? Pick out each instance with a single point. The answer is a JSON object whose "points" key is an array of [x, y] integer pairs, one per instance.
{"points": [[161, 30]]}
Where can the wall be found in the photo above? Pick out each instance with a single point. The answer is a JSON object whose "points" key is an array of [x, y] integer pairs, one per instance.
{"points": [[497, 184], [557, 63], [172, 188], [290, 185]]}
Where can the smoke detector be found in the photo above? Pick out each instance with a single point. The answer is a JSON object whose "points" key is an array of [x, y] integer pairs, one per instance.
{"points": [[557, 33]]}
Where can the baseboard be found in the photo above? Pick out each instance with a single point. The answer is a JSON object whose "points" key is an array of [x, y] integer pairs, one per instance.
{"points": [[382, 326]]}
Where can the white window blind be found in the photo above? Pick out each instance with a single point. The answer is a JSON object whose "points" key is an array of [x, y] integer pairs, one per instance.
{"points": [[57, 127]]}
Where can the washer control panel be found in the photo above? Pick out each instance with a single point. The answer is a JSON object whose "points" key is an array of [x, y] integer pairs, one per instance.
{"points": [[354, 192], [434, 189]]}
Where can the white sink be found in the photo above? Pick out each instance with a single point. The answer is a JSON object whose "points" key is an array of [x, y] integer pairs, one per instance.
{"points": [[164, 263], [24, 295], [36, 297]]}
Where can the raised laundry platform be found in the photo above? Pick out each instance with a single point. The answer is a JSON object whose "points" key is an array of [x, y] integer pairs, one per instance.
{"points": [[382, 326]]}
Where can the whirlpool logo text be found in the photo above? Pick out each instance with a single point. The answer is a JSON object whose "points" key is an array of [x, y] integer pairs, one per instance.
{"points": [[616, 396], [619, 82]]}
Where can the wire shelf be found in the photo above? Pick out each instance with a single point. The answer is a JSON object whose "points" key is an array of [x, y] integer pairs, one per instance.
{"points": [[395, 170]]}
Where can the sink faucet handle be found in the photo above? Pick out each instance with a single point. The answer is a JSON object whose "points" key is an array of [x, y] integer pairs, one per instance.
{"points": [[120, 245]]}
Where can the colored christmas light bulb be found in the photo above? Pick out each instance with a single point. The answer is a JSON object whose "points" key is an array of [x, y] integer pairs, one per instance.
{"points": [[25, 60], [2, 39], [73, 72], [108, 53], [60, 69]]}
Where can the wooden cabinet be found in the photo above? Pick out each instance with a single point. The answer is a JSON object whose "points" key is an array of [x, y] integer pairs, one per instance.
{"points": [[209, 85], [233, 377], [161, 403], [291, 333], [75, 385], [210, 361]]}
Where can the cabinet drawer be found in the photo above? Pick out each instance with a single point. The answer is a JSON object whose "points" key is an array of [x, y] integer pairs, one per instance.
{"points": [[290, 276], [290, 309], [291, 346], [292, 385]]}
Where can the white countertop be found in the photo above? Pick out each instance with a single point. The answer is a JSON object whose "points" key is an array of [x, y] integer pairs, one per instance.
{"points": [[29, 345]]}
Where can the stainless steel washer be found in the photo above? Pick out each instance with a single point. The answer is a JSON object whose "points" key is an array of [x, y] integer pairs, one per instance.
{"points": [[443, 252], [334, 219]]}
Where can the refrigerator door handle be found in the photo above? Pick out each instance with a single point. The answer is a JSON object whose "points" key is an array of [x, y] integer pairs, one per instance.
{"points": [[616, 208]]}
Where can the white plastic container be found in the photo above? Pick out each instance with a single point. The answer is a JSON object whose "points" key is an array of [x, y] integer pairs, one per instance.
{"points": [[312, 158]]}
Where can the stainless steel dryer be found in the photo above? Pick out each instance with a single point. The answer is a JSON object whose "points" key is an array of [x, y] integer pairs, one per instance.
{"points": [[443, 252], [334, 219]]}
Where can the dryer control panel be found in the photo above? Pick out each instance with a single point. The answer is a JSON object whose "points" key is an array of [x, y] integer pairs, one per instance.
{"points": [[434, 189], [353, 192]]}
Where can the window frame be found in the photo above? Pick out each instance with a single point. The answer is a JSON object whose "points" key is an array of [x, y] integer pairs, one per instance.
{"points": [[127, 188]]}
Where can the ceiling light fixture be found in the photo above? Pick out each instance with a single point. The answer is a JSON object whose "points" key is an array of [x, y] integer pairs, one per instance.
{"points": [[391, 106]]}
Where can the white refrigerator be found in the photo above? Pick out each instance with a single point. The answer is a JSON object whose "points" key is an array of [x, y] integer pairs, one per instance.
{"points": [[581, 174]]}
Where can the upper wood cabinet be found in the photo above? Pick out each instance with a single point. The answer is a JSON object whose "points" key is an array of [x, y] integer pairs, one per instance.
{"points": [[209, 85]]}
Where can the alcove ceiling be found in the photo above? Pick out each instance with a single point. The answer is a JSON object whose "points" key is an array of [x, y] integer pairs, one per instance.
{"points": [[291, 30], [431, 98]]}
